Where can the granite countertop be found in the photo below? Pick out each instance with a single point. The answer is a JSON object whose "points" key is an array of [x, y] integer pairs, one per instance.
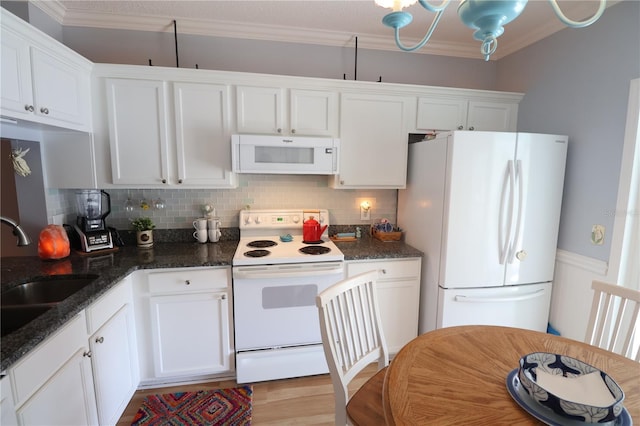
{"points": [[114, 267]]}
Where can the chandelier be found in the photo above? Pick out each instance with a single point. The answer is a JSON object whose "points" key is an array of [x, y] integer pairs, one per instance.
{"points": [[487, 17]]}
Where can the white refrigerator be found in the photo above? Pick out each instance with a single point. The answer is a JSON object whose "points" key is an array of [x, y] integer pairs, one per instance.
{"points": [[484, 207]]}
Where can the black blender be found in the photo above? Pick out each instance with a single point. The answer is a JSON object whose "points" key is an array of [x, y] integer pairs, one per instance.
{"points": [[93, 206]]}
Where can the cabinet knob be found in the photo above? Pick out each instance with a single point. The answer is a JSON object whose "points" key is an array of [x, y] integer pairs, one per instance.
{"points": [[472, 128], [279, 130], [293, 131], [179, 180], [164, 181], [460, 127], [87, 354], [44, 110], [341, 182], [384, 271], [224, 297], [29, 108], [100, 339], [187, 282]]}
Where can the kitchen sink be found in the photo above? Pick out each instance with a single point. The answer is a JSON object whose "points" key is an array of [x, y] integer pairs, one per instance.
{"points": [[45, 291], [24, 303], [14, 317]]}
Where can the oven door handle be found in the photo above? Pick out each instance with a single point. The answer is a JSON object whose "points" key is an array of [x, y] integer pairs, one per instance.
{"points": [[303, 271]]}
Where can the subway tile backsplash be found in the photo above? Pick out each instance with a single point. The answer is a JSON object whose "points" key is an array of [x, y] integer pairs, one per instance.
{"points": [[182, 206]]}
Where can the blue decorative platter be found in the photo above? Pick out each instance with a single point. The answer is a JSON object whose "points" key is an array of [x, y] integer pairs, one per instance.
{"points": [[546, 415]]}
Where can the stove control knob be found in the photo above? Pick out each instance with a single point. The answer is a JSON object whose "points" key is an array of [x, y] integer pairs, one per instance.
{"points": [[258, 219], [247, 220], [295, 219]]}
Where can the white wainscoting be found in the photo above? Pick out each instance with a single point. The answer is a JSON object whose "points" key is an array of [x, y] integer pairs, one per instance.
{"points": [[572, 295]]}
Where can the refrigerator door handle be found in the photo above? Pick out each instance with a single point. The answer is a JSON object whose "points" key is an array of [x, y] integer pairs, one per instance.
{"points": [[471, 299], [520, 181], [502, 241]]}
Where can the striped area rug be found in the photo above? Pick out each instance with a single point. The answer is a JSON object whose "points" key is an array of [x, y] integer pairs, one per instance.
{"points": [[229, 407]]}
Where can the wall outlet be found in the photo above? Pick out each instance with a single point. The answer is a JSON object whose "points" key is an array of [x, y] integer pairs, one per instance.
{"points": [[597, 235], [365, 214]]}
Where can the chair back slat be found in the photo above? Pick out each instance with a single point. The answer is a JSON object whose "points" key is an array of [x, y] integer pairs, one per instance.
{"points": [[614, 318]]}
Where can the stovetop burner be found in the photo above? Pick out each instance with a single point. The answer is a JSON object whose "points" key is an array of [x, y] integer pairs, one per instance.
{"points": [[313, 242], [257, 253], [262, 243], [314, 250]]}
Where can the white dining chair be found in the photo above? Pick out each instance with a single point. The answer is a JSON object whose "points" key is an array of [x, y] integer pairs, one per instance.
{"points": [[351, 336], [614, 320]]}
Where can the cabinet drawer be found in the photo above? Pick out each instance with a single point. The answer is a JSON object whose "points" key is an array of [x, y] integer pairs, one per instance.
{"points": [[391, 269], [41, 363], [188, 280], [106, 307]]}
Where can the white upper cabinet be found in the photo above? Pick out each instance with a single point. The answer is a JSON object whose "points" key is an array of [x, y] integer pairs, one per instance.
{"points": [[138, 131], [436, 113], [202, 134], [268, 110], [373, 141], [42, 80]]}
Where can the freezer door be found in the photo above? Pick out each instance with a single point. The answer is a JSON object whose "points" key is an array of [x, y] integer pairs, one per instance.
{"points": [[539, 168], [523, 306], [477, 209]]}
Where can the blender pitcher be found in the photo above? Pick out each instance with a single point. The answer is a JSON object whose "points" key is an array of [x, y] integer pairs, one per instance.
{"points": [[93, 205]]}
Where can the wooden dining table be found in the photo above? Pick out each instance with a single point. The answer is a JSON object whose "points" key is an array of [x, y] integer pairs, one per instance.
{"points": [[458, 375]]}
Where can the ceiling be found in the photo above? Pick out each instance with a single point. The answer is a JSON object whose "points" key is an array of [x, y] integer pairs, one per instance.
{"points": [[322, 22]]}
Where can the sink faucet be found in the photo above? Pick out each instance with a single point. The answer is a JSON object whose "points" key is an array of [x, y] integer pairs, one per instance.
{"points": [[23, 238]]}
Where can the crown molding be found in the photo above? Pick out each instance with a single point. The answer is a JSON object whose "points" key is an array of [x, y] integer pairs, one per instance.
{"points": [[53, 8]]}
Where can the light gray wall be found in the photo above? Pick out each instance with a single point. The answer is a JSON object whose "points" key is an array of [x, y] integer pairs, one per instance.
{"points": [[226, 54], [577, 83], [35, 16]]}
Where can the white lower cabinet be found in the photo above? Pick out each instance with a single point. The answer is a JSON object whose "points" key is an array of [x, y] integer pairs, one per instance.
{"points": [[53, 384], [187, 316], [7, 408], [114, 355], [398, 297]]}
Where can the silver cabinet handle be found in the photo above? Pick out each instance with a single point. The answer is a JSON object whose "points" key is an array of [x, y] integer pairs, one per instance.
{"points": [[293, 131], [87, 354], [384, 271], [100, 339], [460, 127], [44, 110], [279, 130], [29, 108], [179, 180], [164, 181], [472, 128], [187, 282]]}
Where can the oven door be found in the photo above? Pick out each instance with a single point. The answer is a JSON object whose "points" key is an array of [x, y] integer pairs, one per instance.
{"points": [[275, 305]]}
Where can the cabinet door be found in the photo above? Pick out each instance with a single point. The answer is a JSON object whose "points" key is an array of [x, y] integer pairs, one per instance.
{"points": [[137, 130], [373, 141], [313, 112], [492, 116], [7, 408], [398, 290], [114, 361], [67, 398], [60, 91], [441, 114], [259, 110], [190, 334], [17, 96], [202, 134]]}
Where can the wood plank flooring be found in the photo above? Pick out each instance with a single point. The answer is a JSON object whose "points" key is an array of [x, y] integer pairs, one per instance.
{"points": [[300, 401]]}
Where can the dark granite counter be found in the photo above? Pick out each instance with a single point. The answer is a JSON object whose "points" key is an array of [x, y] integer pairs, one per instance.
{"points": [[113, 267]]}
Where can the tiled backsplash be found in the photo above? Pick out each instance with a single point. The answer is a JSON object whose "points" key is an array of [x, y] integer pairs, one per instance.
{"points": [[255, 191]]}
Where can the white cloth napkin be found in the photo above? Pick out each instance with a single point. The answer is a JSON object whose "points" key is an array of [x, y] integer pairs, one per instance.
{"points": [[589, 389]]}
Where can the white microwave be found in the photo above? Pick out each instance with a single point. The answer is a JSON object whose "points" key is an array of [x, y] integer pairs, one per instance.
{"points": [[284, 154]]}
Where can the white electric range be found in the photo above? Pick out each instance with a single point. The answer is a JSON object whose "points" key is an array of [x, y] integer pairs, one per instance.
{"points": [[276, 278]]}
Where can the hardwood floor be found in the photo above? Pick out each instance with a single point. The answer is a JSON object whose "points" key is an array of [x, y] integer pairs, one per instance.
{"points": [[300, 401]]}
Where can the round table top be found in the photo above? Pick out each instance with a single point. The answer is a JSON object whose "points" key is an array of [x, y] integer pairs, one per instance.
{"points": [[457, 375]]}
